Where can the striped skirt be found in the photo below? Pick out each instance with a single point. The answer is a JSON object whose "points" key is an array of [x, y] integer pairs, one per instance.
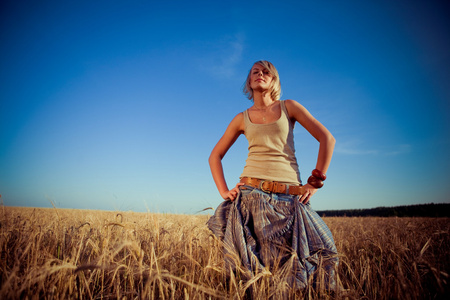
{"points": [[275, 232]]}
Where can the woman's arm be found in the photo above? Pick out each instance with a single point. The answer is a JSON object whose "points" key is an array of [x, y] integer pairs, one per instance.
{"points": [[326, 140], [231, 134]]}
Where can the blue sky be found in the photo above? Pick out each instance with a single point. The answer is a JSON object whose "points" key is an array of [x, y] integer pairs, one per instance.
{"points": [[116, 105]]}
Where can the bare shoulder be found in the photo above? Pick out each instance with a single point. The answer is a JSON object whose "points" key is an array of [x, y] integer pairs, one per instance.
{"points": [[294, 108], [239, 116], [238, 122]]}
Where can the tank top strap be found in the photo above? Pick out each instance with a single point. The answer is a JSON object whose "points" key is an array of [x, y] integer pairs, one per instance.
{"points": [[246, 118], [286, 113], [283, 107]]}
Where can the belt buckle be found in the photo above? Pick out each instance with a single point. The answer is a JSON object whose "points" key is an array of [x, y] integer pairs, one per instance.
{"points": [[261, 186]]}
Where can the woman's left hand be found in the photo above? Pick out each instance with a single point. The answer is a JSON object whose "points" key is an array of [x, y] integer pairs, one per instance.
{"points": [[309, 191]]}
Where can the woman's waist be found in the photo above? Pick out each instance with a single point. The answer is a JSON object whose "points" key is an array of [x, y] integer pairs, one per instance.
{"points": [[272, 186], [284, 173], [280, 163]]}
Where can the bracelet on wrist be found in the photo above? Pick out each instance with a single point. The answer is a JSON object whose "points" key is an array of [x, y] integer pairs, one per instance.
{"points": [[319, 174], [315, 182], [317, 178]]}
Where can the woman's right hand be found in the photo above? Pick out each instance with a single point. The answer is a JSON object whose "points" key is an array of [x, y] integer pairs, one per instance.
{"points": [[232, 194]]}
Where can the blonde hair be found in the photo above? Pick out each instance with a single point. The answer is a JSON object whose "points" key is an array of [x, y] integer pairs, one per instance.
{"points": [[275, 87]]}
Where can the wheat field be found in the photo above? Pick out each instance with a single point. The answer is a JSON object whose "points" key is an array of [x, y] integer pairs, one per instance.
{"points": [[87, 254]]}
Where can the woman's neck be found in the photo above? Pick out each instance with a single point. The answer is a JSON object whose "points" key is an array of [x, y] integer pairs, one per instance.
{"points": [[262, 100]]}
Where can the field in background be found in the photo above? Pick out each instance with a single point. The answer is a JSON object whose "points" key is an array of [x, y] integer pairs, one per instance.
{"points": [[87, 254]]}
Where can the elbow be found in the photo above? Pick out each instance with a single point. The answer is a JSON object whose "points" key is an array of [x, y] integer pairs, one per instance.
{"points": [[210, 158], [331, 140], [214, 157]]}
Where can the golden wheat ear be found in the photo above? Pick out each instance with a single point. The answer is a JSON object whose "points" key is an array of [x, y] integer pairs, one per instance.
{"points": [[208, 208]]}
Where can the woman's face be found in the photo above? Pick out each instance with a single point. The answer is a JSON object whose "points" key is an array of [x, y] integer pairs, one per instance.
{"points": [[260, 77]]}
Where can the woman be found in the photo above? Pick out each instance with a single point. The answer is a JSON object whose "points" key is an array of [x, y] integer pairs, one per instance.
{"points": [[266, 221]]}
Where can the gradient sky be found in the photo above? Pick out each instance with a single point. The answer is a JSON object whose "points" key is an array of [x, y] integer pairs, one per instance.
{"points": [[116, 105]]}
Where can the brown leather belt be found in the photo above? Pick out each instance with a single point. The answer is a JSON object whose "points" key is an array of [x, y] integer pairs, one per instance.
{"points": [[273, 186]]}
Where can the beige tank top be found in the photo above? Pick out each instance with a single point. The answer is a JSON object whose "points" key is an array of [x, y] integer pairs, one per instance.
{"points": [[271, 151]]}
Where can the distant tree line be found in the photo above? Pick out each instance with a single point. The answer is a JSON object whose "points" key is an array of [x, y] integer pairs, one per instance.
{"points": [[420, 210]]}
